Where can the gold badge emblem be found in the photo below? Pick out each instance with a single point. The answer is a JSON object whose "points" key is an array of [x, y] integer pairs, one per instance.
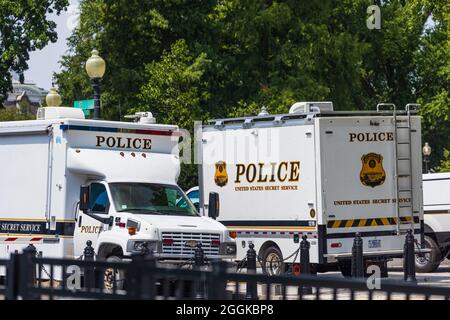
{"points": [[221, 176], [372, 172], [191, 243]]}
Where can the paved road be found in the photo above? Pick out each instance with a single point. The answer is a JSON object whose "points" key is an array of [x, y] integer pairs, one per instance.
{"points": [[439, 278]]}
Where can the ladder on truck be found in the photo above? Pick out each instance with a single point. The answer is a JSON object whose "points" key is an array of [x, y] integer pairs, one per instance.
{"points": [[403, 166]]}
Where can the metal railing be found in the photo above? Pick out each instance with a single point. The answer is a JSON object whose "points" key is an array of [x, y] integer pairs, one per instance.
{"points": [[29, 276]]}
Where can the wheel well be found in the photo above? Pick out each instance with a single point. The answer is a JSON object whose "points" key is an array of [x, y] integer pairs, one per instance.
{"points": [[430, 233], [266, 245], [109, 249]]}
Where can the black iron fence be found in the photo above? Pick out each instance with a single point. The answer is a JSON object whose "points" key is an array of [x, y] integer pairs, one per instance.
{"points": [[29, 276]]}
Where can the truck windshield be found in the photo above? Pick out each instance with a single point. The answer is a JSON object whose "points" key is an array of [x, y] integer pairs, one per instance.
{"points": [[149, 198]]}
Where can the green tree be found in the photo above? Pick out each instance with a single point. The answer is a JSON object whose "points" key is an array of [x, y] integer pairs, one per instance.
{"points": [[175, 92], [24, 27], [187, 61], [13, 115], [444, 166], [433, 86]]}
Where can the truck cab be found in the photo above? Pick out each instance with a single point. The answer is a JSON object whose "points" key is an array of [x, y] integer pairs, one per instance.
{"points": [[123, 217]]}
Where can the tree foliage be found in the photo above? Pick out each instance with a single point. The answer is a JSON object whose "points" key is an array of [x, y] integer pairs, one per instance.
{"points": [[190, 60], [13, 115], [24, 27], [433, 84]]}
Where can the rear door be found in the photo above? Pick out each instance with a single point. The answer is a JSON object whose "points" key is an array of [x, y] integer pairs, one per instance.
{"points": [[359, 184]]}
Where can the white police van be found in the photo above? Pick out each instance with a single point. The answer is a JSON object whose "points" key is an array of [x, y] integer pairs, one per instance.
{"points": [[127, 175], [317, 173], [436, 206]]}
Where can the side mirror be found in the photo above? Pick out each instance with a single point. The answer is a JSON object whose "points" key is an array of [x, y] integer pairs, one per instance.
{"points": [[197, 206], [84, 198], [213, 205]]}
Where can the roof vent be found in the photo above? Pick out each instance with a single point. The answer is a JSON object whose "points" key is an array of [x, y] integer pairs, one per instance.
{"points": [[48, 113], [305, 107], [142, 117], [263, 112]]}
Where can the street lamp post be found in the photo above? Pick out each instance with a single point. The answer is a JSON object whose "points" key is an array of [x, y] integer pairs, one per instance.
{"points": [[426, 150], [95, 68]]}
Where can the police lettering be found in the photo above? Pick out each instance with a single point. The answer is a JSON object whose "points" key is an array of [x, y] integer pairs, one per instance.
{"points": [[91, 229], [281, 172], [371, 137], [124, 143]]}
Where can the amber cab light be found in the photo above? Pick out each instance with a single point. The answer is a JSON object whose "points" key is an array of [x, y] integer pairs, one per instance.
{"points": [[233, 234], [296, 269]]}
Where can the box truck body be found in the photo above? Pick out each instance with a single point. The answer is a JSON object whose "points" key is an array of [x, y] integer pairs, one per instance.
{"points": [[436, 207], [325, 175], [131, 169]]}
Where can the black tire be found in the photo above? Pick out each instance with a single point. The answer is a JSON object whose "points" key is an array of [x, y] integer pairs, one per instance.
{"points": [[345, 266], [429, 262], [272, 261], [108, 278]]}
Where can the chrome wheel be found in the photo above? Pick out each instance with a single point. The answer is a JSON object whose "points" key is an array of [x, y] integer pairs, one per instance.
{"points": [[113, 278], [428, 261], [273, 264], [423, 259]]}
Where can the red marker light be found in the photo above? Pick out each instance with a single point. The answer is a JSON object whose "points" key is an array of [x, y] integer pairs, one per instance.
{"points": [[336, 245], [168, 242], [144, 155], [215, 243], [122, 154]]}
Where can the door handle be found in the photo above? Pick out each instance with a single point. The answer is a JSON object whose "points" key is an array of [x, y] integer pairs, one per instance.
{"points": [[79, 220]]}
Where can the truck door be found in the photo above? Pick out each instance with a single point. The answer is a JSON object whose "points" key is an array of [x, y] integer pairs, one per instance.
{"points": [[88, 228]]}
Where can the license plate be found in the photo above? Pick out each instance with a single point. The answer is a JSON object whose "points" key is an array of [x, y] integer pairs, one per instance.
{"points": [[374, 243]]}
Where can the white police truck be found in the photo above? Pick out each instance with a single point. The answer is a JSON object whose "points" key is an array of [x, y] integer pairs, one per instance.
{"points": [[317, 173], [436, 206], [65, 180]]}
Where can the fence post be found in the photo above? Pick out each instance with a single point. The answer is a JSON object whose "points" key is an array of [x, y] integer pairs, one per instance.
{"points": [[89, 273], [305, 267], [134, 275], [27, 272], [217, 282], [199, 262], [12, 277], [409, 266], [146, 270], [199, 256], [357, 257], [252, 287]]}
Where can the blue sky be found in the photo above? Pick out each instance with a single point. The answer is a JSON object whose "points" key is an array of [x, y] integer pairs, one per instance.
{"points": [[44, 63]]}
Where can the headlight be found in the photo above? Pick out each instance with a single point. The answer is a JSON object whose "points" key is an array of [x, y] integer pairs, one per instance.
{"points": [[228, 248], [139, 245]]}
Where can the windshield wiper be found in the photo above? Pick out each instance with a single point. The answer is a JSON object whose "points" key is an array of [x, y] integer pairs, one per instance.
{"points": [[178, 213], [141, 210]]}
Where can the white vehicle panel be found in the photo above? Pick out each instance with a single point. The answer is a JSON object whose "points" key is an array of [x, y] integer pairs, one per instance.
{"points": [[334, 181]]}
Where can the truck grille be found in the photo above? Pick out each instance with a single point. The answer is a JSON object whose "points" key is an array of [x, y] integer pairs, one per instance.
{"points": [[178, 246]]}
